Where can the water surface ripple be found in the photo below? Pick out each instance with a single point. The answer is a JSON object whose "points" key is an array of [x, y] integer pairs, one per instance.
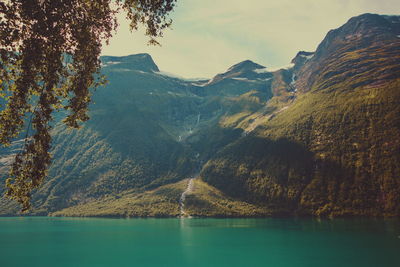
{"points": [[43, 241]]}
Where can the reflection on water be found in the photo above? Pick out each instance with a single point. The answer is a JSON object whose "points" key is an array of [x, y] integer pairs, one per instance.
{"points": [[43, 241]]}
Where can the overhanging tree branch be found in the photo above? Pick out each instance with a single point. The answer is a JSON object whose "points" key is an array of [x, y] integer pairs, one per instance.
{"points": [[36, 37]]}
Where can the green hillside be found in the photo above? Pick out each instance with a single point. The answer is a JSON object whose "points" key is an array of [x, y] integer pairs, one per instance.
{"points": [[147, 129], [335, 150], [320, 138]]}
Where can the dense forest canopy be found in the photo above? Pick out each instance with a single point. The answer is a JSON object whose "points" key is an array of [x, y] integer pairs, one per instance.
{"points": [[50, 61]]}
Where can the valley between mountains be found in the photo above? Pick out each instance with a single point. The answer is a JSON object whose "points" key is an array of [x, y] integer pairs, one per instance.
{"points": [[320, 137]]}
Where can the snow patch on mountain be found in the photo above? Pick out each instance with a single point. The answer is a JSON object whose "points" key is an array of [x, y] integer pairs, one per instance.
{"points": [[260, 71], [286, 67], [109, 63], [243, 79], [175, 76], [307, 57]]}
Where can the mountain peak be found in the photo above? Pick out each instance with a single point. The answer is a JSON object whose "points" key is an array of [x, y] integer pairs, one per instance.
{"points": [[366, 27], [367, 23], [244, 70], [344, 51], [301, 58], [246, 65], [142, 62]]}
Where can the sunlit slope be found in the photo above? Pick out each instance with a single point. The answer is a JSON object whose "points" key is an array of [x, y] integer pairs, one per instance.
{"points": [[327, 142], [336, 149], [204, 200], [147, 129]]}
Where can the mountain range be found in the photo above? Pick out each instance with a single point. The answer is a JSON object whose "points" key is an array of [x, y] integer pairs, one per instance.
{"points": [[320, 137]]}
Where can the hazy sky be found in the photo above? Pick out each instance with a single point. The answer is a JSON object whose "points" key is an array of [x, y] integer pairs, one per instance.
{"points": [[208, 36]]}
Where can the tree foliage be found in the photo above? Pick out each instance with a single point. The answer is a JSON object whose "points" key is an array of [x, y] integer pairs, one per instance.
{"points": [[50, 61]]}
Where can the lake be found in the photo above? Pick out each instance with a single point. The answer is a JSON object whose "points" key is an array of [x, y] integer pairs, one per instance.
{"points": [[45, 241]]}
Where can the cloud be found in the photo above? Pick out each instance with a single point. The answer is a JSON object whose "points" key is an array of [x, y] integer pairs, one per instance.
{"points": [[208, 36]]}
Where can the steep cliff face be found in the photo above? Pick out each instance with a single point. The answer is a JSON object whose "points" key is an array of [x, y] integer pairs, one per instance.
{"points": [[335, 149], [365, 45]]}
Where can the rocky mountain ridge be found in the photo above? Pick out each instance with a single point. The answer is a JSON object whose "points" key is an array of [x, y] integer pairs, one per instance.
{"points": [[319, 138]]}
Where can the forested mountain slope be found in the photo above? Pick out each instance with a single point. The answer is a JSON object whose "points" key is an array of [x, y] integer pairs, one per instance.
{"points": [[336, 149], [319, 138]]}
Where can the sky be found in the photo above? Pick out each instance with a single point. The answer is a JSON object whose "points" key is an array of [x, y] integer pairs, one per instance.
{"points": [[209, 36]]}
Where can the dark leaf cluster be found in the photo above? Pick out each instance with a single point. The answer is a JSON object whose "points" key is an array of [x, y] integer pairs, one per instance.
{"points": [[49, 61]]}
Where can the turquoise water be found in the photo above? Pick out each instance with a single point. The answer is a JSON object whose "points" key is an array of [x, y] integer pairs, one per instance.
{"points": [[42, 241]]}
